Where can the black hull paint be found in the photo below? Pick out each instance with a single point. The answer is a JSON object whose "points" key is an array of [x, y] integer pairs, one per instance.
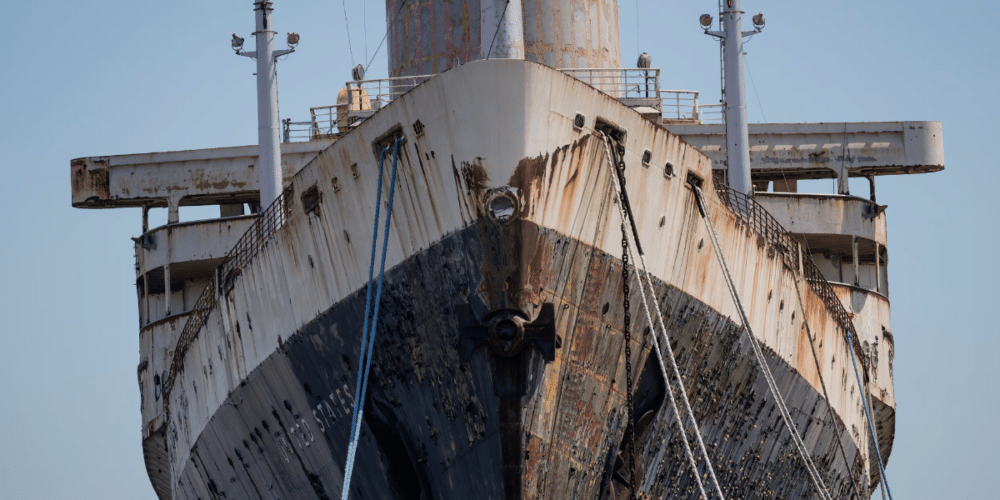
{"points": [[432, 422]]}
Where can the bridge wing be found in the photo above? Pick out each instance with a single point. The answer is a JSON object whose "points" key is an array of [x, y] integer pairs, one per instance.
{"points": [[180, 178], [824, 150]]}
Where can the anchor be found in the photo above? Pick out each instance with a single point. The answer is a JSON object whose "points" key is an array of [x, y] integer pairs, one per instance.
{"points": [[508, 333]]}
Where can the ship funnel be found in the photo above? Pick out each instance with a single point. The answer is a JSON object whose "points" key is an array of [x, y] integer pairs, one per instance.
{"points": [[501, 24], [427, 37]]}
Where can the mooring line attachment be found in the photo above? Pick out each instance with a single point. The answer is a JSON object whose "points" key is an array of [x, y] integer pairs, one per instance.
{"points": [[368, 333]]}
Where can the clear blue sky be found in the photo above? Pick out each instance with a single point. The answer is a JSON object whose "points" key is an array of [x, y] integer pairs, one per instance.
{"points": [[114, 77]]}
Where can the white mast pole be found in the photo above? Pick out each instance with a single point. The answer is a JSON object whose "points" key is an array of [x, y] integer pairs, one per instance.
{"points": [[268, 143], [269, 148], [737, 133]]}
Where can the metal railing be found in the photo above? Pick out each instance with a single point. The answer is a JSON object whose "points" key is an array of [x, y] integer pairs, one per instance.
{"points": [[711, 113], [766, 227], [296, 131], [328, 121], [763, 224], [199, 315], [633, 86], [365, 97], [680, 104], [249, 245]]}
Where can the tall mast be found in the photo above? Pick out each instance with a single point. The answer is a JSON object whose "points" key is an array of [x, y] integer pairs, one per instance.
{"points": [[269, 145], [737, 140], [267, 106]]}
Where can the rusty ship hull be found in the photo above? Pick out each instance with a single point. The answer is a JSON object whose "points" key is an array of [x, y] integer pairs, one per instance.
{"points": [[434, 424], [255, 400]]}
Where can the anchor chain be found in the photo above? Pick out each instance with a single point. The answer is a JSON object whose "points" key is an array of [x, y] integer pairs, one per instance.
{"points": [[619, 162], [627, 328], [628, 360]]}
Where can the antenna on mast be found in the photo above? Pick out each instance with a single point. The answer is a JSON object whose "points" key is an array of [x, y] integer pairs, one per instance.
{"points": [[268, 145], [737, 132]]}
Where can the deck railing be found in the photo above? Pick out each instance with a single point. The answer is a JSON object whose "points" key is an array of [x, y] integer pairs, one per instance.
{"points": [[249, 245], [679, 104], [365, 97], [710, 113], [634, 87], [766, 227], [326, 122], [296, 131]]}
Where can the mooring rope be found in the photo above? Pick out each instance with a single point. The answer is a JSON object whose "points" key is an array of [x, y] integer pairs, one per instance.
{"points": [[368, 334], [759, 353], [624, 211]]}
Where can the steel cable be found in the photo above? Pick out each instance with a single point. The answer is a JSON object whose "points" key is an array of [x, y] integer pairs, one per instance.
{"points": [[393, 22], [826, 395], [499, 21], [871, 428], [759, 353], [663, 372], [347, 25]]}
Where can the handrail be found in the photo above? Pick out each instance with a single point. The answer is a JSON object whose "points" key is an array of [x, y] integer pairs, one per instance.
{"points": [[766, 227], [680, 104], [855, 288], [632, 86], [711, 113], [249, 245], [327, 121], [683, 105], [375, 94], [297, 131]]}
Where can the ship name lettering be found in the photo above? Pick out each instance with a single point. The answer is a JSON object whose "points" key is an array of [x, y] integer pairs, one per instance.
{"points": [[325, 414], [285, 448], [319, 408], [303, 433]]}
